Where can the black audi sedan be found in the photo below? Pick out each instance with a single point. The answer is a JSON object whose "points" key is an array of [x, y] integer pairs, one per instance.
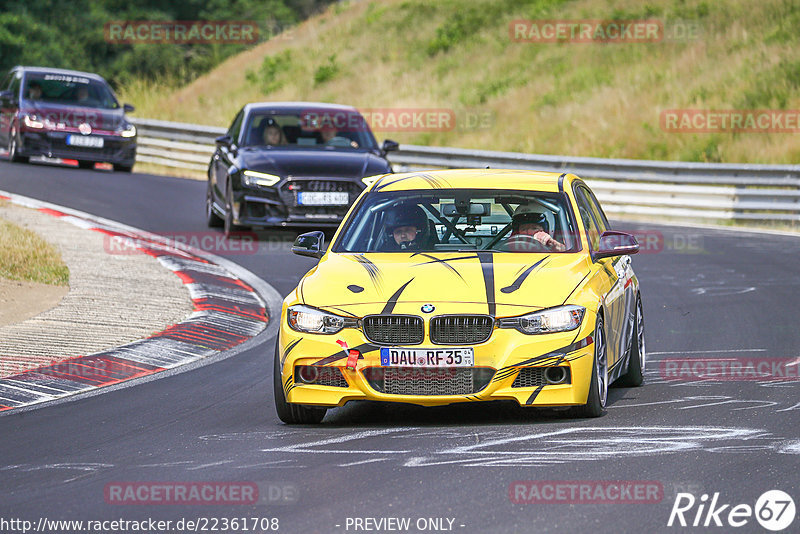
{"points": [[291, 164], [64, 114]]}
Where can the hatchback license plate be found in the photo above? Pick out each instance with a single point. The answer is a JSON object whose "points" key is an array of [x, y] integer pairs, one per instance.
{"points": [[450, 357], [85, 141]]}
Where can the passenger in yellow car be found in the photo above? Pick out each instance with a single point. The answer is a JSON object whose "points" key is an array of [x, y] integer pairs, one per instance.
{"points": [[530, 231]]}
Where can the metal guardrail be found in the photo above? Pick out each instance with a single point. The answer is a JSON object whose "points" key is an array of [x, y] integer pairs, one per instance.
{"points": [[673, 189]]}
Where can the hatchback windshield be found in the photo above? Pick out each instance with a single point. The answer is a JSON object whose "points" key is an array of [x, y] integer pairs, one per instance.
{"points": [[455, 220], [309, 129], [69, 89]]}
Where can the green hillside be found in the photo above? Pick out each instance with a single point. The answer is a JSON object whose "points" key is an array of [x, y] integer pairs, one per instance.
{"points": [[593, 98]]}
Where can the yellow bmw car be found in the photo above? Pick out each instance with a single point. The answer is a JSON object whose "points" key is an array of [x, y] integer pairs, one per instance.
{"points": [[463, 286]]}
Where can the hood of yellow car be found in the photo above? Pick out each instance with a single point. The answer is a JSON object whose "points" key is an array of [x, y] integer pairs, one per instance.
{"points": [[500, 284]]}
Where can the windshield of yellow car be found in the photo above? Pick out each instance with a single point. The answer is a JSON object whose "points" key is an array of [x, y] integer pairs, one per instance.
{"points": [[456, 220]]}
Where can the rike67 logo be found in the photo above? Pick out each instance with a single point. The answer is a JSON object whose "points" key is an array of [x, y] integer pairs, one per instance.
{"points": [[774, 510]]}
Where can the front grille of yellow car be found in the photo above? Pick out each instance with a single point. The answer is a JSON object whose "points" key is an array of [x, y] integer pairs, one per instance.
{"points": [[461, 329], [428, 381], [394, 329]]}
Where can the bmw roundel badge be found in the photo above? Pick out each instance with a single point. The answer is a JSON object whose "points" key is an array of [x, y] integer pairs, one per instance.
{"points": [[428, 308]]}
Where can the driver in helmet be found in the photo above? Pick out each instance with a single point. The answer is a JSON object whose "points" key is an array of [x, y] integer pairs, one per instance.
{"points": [[529, 222], [405, 225]]}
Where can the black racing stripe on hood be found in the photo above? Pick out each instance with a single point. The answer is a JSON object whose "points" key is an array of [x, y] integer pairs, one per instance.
{"points": [[487, 267], [340, 354], [521, 278], [575, 288], [372, 270], [288, 349], [393, 299], [444, 262], [534, 395]]}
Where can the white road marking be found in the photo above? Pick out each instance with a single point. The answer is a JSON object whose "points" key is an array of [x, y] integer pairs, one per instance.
{"points": [[306, 447], [371, 460], [706, 351], [795, 407], [210, 464]]}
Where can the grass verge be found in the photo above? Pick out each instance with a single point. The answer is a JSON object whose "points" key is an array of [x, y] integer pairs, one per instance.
{"points": [[26, 256]]}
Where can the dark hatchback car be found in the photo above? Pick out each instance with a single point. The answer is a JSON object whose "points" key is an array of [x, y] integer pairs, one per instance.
{"points": [[64, 114], [291, 164]]}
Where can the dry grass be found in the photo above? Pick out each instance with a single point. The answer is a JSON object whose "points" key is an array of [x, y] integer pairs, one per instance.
{"points": [[177, 172], [26, 256], [599, 100]]}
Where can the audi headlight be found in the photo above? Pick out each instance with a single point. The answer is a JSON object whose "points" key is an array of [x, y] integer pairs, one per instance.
{"points": [[559, 319], [313, 321], [259, 179], [129, 130]]}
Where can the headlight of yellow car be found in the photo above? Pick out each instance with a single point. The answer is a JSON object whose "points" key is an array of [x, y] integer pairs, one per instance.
{"points": [[559, 319], [313, 321]]}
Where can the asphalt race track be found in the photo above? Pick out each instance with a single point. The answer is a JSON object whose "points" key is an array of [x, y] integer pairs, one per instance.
{"points": [[707, 294]]}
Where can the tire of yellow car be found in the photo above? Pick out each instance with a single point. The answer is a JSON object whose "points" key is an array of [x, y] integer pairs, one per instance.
{"points": [[292, 414], [598, 387], [634, 376]]}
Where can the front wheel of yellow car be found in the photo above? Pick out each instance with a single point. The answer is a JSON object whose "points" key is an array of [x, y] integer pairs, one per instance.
{"points": [[637, 357], [292, 414], [598, 387]]}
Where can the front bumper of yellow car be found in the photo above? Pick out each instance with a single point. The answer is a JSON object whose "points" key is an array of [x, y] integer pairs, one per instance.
{"points": [[501, 359]]}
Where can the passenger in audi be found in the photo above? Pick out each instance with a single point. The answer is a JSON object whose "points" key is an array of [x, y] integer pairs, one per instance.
{"points": [[273, 135]]}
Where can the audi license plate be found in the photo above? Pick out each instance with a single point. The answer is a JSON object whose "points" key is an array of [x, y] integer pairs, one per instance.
{"points": [[85, 141], [323, 199], [450, 357]]}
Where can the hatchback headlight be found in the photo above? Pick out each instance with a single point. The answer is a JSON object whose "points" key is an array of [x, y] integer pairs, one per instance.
{"points": [[259, 179], [558, 319], [32, 121], [313, 321]]}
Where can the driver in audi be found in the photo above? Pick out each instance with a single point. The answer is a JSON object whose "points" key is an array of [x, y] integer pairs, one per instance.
{"points": [[529, 229]]}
